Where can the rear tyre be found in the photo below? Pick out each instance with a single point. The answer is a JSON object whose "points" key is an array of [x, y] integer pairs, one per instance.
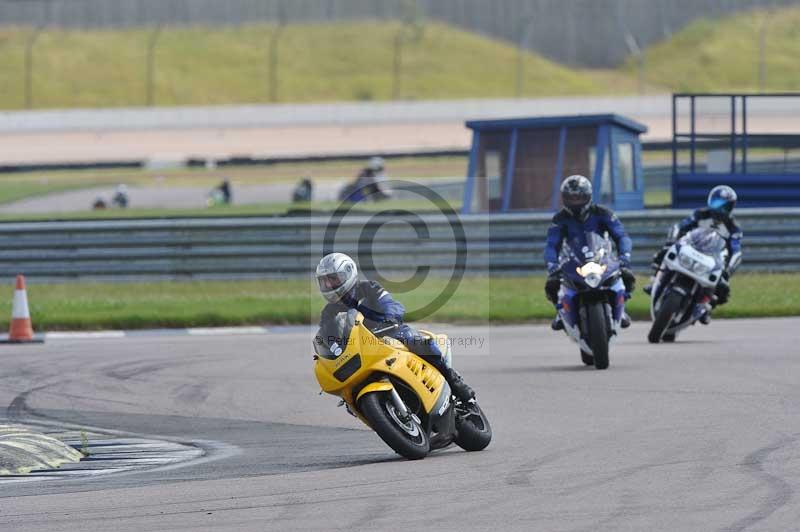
{"points": [[598, 334], [407, 438], [587, 358], [472, 426], [669, 307]]}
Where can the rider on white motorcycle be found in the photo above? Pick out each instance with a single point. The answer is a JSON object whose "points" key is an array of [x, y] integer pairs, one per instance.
{"points": [[718, 215], [337, 276]]}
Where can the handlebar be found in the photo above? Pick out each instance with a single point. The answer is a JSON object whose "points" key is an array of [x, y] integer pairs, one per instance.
{"points": [[383, 330]]}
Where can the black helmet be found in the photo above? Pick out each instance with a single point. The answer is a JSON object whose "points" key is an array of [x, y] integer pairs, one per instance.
{"points": [[576, 194], [722, 199]]}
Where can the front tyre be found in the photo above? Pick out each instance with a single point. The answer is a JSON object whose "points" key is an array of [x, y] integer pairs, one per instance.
{"points": [[598, 334], [669, 307], [406, 437], [472, 426]]}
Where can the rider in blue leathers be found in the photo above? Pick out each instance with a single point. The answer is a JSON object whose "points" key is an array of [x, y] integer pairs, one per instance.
{"points": [[718, 214], [578, 217], [337, 276]]}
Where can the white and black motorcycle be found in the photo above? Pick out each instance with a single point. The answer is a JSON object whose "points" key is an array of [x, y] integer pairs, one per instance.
{"points": [[686, 282]]}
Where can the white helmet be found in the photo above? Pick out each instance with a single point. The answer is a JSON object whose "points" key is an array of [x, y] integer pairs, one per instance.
{"points": [[336, 275], [376, 164]]}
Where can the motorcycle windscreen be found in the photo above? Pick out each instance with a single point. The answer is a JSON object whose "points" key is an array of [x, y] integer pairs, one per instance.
{"points": [[588, 247], [332, 337], [706, 240]]}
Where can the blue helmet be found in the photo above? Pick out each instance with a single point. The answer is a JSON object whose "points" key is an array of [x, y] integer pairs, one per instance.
{"points": [[722, 199]]}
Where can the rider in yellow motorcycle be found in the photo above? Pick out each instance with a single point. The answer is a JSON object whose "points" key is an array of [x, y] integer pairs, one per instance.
{"points": [[337, 276]]}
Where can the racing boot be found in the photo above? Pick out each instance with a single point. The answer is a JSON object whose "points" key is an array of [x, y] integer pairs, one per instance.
{"points": [[557, 324], [459, 388], [625, 320], [702, 312]]}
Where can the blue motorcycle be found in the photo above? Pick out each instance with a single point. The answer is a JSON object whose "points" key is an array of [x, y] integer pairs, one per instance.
{"points": [[591, 301]]}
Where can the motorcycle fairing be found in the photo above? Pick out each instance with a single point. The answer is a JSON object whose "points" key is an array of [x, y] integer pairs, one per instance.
{"points": [[375, 356], [567, 305], [570, 315], [619, 301], [710, 248]]}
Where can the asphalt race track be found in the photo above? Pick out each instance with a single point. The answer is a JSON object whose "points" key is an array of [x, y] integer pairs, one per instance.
{"points": [[701, 435]]}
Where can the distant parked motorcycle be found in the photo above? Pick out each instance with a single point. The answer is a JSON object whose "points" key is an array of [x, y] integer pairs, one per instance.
{"points": [[686, 282], [592, 296]]}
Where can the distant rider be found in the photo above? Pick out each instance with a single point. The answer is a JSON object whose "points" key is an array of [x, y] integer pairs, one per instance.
{"points": [[225, 190], [339, 284], [717, 215], [120, 198], [370, 178], [578, 217]]}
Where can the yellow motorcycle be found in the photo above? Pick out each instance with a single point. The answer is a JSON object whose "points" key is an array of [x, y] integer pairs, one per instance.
{"points": [[399, 395]]}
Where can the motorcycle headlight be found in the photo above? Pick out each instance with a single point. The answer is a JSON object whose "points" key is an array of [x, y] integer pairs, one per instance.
{"points": [[592, 273], [686, 261], [593, 279], [700, 268]]}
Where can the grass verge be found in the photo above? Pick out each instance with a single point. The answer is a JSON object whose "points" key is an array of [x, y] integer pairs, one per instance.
{"points": [[263, 209], [83, 306], [15, 189]]}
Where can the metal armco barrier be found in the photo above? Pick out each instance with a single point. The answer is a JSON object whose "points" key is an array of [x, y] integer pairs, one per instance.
{"points": [[228, 248]]}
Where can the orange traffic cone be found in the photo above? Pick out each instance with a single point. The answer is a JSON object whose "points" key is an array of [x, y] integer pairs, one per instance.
{"points": [[21, 328]]}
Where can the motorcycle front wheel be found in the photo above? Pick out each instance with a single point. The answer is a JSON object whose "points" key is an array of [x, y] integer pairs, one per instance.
{"points": [[669, 307], [598, 334], [405, 436]]}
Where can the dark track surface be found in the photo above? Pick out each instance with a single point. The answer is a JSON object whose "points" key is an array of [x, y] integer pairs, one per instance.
{"points": [[703, 434]]}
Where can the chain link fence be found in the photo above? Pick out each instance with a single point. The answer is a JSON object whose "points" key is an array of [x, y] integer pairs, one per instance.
{"points": [[595, 33]]}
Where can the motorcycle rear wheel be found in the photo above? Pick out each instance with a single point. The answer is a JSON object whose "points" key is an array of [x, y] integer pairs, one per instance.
{"points": [[598, 334], [669, 307], [406, 438], [472, 425]]}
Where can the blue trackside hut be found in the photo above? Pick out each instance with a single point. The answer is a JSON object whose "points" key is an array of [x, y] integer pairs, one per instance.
{"points": [[518, 164]]}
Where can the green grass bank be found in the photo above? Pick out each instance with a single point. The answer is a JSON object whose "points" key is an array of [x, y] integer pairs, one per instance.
{"points": [[315, 62], [724, 54], [84, 306]]}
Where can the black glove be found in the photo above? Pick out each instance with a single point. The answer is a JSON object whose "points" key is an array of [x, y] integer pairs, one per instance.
{"points": [[658, 258], [629, 279], [552, 286]]}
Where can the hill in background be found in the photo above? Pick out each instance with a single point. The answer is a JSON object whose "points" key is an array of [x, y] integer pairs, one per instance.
{"points": [[325, 62], [723, 54], [356, 62]]}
